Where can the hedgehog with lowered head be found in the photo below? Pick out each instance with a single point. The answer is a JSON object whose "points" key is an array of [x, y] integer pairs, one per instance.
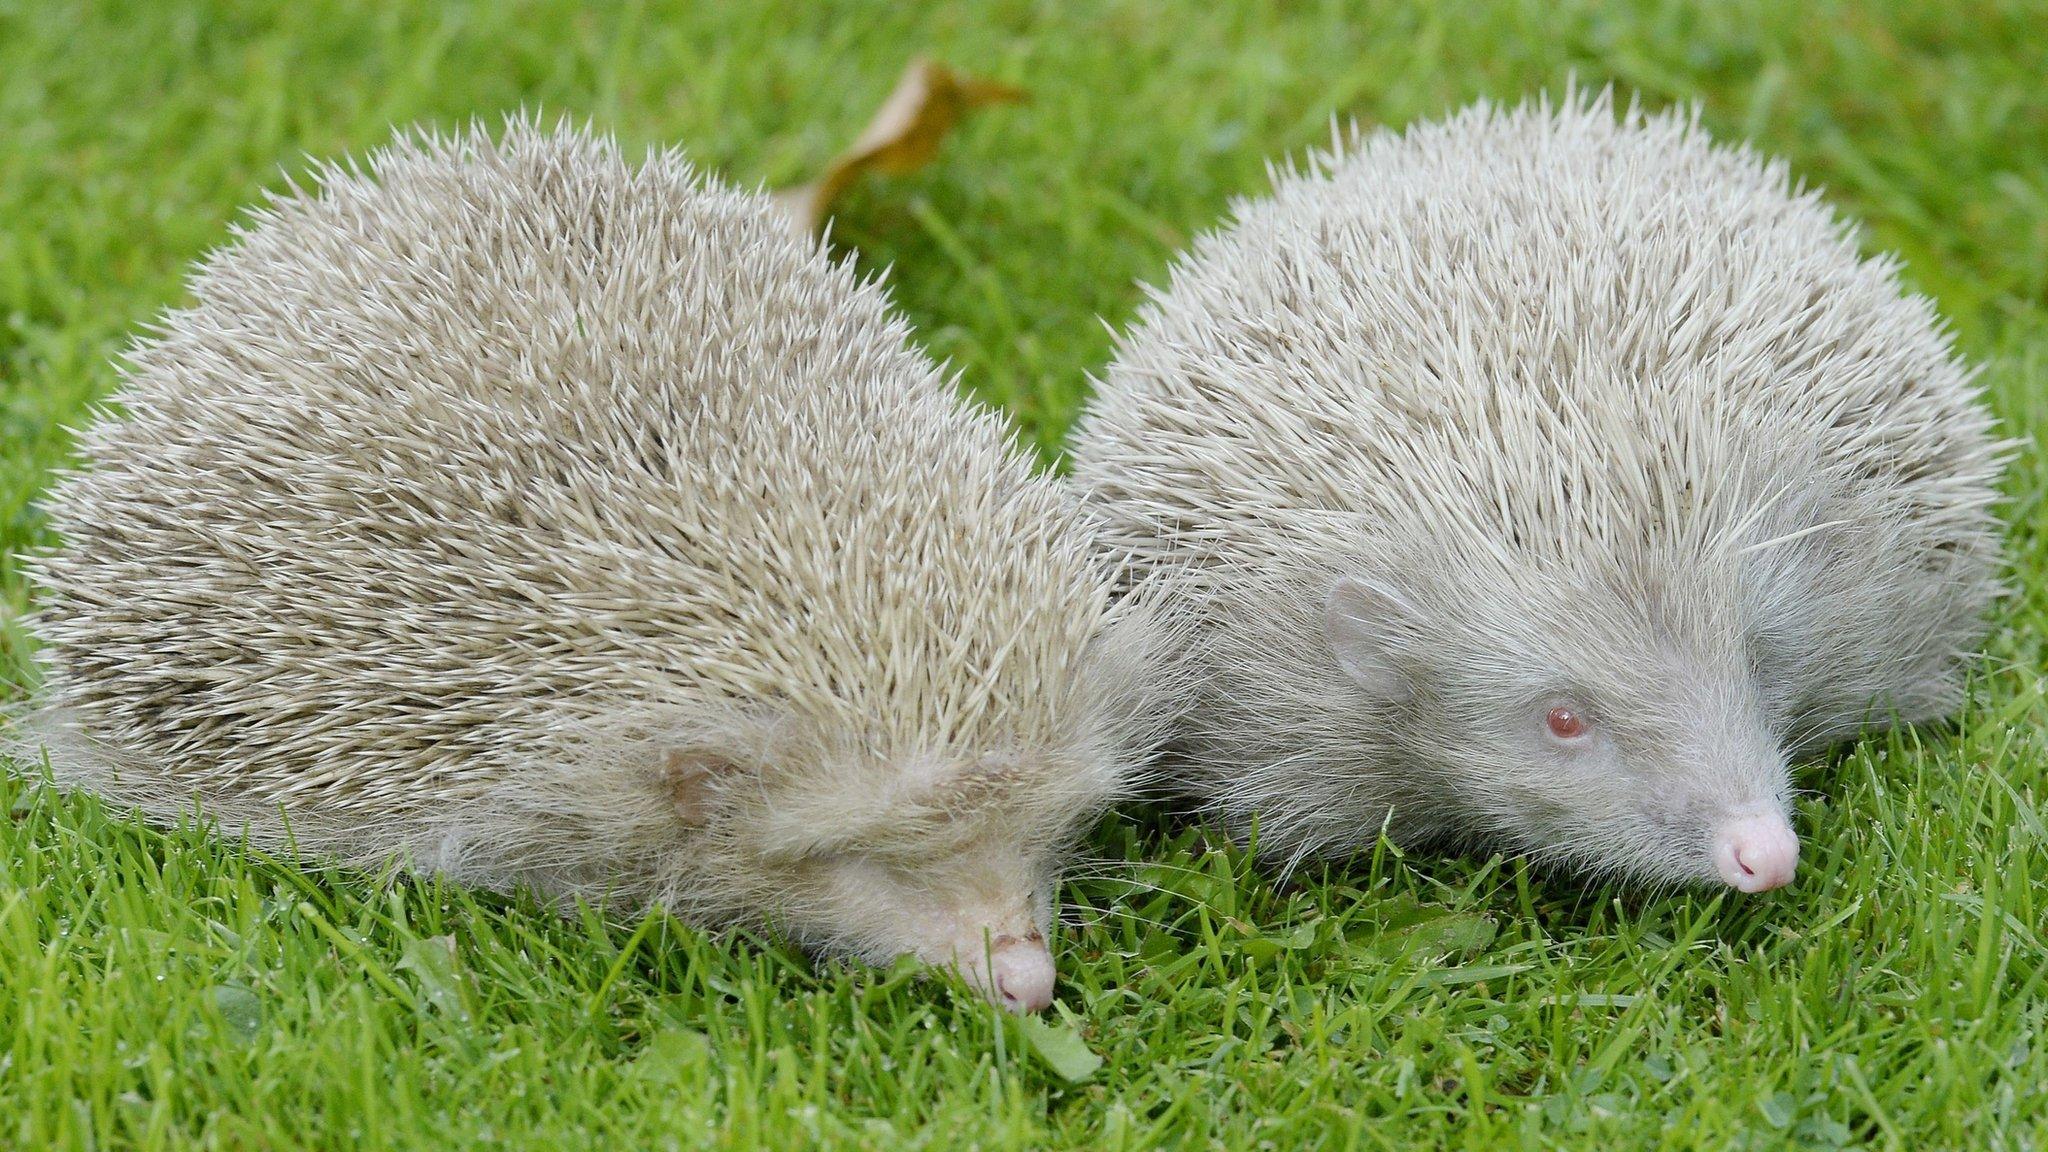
{"points": [[1545, 480], [549, 520]]}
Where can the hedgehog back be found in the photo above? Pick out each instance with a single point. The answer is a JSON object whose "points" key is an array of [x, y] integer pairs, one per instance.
{"points": [[1547, 327], [487, 439]]}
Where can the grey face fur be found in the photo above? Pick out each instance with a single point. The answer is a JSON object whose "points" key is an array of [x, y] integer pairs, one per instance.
{"points": [[1547, 482], [1666, 734]]}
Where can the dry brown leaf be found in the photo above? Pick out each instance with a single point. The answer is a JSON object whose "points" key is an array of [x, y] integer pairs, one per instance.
{"points": [[927, 103]]}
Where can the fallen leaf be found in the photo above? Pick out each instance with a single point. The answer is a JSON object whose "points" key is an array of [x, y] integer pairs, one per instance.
{"points": [[1264, 948], [239, 1010], [671, 1053], [1426, 931], [431, 960], [929, 100], [1061, 1048]]}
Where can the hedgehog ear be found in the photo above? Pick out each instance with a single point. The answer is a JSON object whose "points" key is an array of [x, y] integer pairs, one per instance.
{"points": [[698, 752], [1360, 619], [690, 778]]}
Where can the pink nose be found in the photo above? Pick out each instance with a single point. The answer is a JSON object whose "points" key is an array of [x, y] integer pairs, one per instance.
{"points": [[1756, 853], [1022, 973]]}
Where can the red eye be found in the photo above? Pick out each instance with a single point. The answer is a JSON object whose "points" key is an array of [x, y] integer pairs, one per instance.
{"points": [[1565, 723]]}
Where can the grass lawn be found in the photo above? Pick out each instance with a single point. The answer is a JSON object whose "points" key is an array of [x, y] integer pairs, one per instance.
{"points": [[166, 991]]}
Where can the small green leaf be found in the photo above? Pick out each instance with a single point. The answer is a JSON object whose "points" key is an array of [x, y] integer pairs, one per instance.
{"points": [[1303, 936], [671, 1051], [431, 960], [1458, 933], [1427, 931], [1061, 1047], [239, 1010]]}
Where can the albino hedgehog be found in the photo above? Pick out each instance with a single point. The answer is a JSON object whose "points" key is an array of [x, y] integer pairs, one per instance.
{"points": [[1545, 482], [547, 520]]}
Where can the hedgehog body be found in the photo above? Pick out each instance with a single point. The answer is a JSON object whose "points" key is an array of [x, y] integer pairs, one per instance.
{"points": [[549, 520], [1545, 480]]}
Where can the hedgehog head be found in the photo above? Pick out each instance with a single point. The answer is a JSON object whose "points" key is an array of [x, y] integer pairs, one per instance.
{"points": [[850, 843], [951, 859], [1606, 720], [1615, 671], [949, 855]]}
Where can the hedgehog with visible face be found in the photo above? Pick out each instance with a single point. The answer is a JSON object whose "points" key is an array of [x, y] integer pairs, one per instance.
{"points": [[1545, 480], [552, 521]]}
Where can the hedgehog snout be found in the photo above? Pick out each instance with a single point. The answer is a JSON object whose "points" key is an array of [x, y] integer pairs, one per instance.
{"points": [[1012, 970], [1756, 851], [996, 939]]}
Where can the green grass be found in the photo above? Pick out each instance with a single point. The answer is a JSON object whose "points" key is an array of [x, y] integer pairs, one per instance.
{"points": [[167, 990]]}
